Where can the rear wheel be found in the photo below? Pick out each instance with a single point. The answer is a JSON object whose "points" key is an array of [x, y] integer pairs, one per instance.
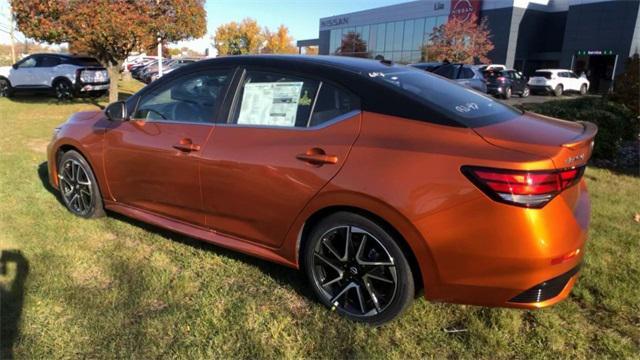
{"points": [[356, 268], [558, 90], [5, 88], [583, 89], [525, 92], [63, 89], [78, 186]]}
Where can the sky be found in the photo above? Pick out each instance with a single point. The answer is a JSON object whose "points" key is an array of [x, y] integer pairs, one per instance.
{"points": [[300, 16]]}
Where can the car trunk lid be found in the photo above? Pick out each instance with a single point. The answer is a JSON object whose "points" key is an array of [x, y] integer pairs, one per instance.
{"points": [[568, 144]]}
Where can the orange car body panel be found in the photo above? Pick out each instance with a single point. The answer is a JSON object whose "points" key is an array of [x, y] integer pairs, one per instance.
{"points": [[245, 190]]}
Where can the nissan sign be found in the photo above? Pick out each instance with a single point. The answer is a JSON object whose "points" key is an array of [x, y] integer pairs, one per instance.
{"points": [[334, 22], [463, 9]]}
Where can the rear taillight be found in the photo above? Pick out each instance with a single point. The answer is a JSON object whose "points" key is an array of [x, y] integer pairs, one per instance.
{"points": [[531, 189]]}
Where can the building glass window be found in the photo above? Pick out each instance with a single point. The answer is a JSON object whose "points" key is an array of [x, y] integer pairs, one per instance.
{"points": [[397, 35], [407, 42], [365, 35], [430, 24], [380, 37], [418, 34]]}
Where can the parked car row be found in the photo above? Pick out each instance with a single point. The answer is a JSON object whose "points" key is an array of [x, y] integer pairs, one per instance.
{"points": [[147, 70], [64, 75], [501, 82]]}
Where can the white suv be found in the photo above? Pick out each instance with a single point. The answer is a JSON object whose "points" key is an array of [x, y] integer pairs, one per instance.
{"points": [[557, 81], [67, 76]]}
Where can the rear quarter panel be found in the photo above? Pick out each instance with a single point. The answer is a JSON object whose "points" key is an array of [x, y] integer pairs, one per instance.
{"points": [[405, 171]]}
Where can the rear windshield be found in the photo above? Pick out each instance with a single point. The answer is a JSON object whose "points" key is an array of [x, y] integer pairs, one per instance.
{"points": [[454, 101], [544, 74]]}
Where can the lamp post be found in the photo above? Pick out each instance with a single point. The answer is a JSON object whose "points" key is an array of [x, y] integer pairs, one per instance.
{"points": [[159, 56]]}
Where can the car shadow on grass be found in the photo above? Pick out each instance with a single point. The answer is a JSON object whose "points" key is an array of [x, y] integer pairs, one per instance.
{"points": [[15, 268], [281, 274]]}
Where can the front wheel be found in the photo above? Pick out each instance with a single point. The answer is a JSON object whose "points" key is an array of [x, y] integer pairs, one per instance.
{"points": [[525, 92], [5, 88], [507, 93], [78, 186], [358, 269]]}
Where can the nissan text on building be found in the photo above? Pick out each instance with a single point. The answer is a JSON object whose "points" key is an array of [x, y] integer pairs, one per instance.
{"points": [[594, 37]]}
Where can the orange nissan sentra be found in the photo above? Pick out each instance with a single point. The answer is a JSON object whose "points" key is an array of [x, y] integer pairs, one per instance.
{"points": [[375, 179]]}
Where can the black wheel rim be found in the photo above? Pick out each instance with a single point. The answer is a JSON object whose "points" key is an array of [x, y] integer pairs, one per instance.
{"points": [[4, 88], [75, 187], [354, 271], [63, 90]]}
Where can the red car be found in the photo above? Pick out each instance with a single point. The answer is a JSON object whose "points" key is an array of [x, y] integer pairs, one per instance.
{"points": [[375, 179]]}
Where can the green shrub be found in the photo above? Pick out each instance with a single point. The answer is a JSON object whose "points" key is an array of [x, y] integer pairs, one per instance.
{"points": [[627, 85], [616, 123]]}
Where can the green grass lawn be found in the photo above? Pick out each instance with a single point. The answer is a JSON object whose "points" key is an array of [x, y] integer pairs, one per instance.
{"points": [[114, 287]]}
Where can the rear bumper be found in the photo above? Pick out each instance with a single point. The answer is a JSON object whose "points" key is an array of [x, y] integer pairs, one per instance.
{"points": [[504, 256], [540, 88], [87, 88]]}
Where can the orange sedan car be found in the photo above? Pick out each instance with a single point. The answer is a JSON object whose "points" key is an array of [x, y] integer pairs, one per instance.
{"points": [[375, 179]]}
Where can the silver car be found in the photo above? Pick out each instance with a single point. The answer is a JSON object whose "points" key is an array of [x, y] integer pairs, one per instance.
{"points": [[468, 75]]}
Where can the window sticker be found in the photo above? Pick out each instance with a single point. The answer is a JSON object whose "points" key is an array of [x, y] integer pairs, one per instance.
{"points": [[270, 104]]}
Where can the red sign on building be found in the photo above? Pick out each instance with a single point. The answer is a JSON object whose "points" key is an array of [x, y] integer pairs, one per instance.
{"points": [[463, 9]]}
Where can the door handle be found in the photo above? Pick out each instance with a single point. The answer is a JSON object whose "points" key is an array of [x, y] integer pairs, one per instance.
{"points": [[186, 145], [317, 157]]}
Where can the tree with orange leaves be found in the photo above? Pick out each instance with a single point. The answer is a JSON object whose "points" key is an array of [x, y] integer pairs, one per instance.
{"points": [[279, 42], [460, 41]]}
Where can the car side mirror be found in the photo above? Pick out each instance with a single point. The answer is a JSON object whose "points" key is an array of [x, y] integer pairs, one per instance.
{"points": [[116, 111], [14, 66]]}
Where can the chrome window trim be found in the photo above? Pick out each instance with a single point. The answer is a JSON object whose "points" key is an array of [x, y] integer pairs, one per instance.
{"points": [[328, 123]]}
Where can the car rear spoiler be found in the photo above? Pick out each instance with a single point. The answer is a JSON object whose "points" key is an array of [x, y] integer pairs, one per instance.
{"points": [[589, 132]]}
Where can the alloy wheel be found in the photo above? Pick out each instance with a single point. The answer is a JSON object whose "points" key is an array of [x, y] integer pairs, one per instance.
{"points": [[75, 186], [354, 271], [4, 88], [63, 90], [526, 91]]}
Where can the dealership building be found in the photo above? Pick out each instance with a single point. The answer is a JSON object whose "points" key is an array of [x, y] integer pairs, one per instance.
{"points": [[591, 36]]}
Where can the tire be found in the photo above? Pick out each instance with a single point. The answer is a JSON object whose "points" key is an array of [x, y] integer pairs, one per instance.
{"points": [[558, 90], [63, 89], [348, 280], [5, 88], [507, 93], [583, 89], [525, 92], [78, 186]]}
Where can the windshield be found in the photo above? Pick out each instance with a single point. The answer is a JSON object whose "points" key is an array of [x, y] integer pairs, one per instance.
{"points": [[459, 103]]}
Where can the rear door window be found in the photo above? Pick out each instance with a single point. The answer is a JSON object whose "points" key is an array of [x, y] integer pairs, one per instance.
{"points": [[332, 102], [449, 71], [48, 61], [466, 73]]}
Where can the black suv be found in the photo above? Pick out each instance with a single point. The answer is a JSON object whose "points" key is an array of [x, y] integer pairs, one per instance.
{"points": [[506, 82]]}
